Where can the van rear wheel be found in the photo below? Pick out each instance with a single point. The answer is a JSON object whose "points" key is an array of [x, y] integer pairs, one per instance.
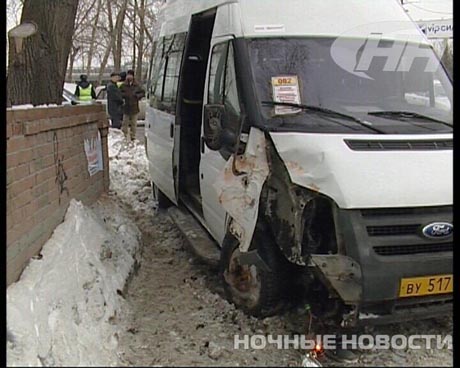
{"points": [[255, 290], [160, 197]]}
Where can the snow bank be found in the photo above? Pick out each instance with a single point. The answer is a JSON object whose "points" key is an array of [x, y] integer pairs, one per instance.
{"points": [[62, 310], [48, 105], [30, 106], [129, 172], [21, 107]]}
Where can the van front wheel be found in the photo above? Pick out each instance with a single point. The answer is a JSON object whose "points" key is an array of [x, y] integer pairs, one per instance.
{"points": [[160, 197], [252, 288]]}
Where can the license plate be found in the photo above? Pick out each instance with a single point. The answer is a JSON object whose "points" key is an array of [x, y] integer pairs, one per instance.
{"points": [[428, 285]]}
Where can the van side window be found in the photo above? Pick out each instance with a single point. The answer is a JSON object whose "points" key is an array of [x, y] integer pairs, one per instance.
{"points": [[159, 72], [156, 78], [222, 84], [230, 95], [168, 70], [151, 69], [216, 73], [172, 72]]}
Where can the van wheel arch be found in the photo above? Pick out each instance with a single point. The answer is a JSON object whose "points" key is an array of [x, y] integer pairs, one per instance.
{"points": [[255, 290]]}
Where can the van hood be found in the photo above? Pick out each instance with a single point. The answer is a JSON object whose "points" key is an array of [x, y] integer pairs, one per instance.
{"points": [[356, 176]]}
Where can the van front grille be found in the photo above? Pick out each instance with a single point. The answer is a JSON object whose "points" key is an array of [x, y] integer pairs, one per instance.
{"points": [[397, 250], [377, 212], [399, 145], [390, 230]]}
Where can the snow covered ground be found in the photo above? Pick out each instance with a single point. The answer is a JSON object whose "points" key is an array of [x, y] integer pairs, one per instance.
{"points": [[60, 311], [64, 308], [129, 177]]}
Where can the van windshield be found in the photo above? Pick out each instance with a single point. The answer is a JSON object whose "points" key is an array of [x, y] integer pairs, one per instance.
{"points": [[309, 71]]}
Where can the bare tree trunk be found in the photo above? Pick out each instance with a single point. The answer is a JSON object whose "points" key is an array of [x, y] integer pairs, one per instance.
{"points": [[104, 63], [111, 29], [73, 55], [93, 37], [134, 34], [111, 46], [83, 11], [37, 72], [119, 35], [141, 51]]}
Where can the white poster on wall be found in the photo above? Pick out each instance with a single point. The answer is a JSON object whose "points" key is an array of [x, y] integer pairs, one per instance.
{"points": [[93, 150]]}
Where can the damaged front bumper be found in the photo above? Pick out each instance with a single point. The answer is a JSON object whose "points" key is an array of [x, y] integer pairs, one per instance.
{"points": [[383, 246], [343, 275]]}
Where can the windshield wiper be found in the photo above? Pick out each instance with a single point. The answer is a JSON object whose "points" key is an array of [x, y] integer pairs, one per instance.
{"points": [[324, 111], [407, 114]]}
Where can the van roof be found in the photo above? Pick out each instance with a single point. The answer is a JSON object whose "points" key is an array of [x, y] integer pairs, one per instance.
{"points": [[270, 18]]}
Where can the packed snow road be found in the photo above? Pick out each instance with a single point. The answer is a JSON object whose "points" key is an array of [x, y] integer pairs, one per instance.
{"points": [[176, 313]]}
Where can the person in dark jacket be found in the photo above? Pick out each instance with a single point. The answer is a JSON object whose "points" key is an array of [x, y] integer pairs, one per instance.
{"points": [[114, 101], [132, 92], [85, 91]]}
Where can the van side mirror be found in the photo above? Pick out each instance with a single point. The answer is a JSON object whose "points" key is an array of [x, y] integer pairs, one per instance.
{"points": [[213, 130]]}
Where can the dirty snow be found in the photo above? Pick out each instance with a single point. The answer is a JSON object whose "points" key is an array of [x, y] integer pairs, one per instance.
{"points": [[129, 177], [61, 309], [48, 105], [21, 107], [30, 106]]}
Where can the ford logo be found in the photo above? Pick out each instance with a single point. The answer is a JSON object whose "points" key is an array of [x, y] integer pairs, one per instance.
{"points": [[438, 230]]}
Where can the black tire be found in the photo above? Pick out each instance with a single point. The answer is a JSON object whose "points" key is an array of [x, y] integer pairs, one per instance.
{"points": [[265, 299], [160, 197]]}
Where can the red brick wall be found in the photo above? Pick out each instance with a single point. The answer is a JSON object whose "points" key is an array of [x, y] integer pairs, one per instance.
{"points": [[46, 168]]}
